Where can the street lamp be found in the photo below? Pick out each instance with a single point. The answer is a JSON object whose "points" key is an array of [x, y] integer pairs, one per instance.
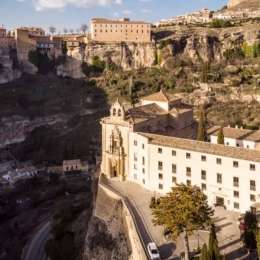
{"points": [[198, 241]]}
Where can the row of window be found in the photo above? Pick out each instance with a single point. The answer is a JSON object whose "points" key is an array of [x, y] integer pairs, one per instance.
{"points": [[204, 177], [111, 25], [106, 31]]}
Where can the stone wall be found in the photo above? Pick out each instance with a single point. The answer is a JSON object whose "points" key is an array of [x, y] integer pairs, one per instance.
{"points": [[110, 210]]}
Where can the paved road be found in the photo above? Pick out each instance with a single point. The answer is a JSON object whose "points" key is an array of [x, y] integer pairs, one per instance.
{"points": [[139, 199], [35, 251]]}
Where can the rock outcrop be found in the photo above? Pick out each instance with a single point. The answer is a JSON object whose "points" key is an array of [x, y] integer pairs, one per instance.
{"points": [[7, 74], [14, 129]]}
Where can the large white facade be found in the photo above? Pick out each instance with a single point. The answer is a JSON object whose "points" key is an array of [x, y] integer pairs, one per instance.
{"points": [[159, 157]]}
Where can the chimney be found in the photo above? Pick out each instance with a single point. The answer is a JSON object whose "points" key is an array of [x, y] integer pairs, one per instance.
{"points": [[236, 126], [228, 126], [241, 127]]}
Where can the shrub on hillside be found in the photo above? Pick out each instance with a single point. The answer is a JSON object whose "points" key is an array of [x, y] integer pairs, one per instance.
{"points": [[220, 23]]}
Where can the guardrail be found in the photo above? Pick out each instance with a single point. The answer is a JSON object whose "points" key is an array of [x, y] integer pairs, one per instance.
{"points": [[125, 199]]}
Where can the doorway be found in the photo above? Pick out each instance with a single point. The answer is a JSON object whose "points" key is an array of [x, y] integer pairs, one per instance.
{"points": [[115, 171], [219, 201]]}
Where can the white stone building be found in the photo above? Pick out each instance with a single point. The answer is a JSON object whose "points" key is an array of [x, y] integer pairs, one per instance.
{"points": [[154, 145]]}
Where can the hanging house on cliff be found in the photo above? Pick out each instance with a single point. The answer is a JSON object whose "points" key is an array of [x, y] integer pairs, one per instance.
{"points": [[154, 145]]}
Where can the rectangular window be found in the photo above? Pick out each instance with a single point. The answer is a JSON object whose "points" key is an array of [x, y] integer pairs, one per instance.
{"points": [[173, 153], [252, 185], [143, 160], [203, 175], [252, 197], [160, 176], [204, 186], [159, 150], [252, 167], [174, 179], [203, 158], [135, 143], [188, 182], [135, 157], [160, 166], [235, 164], [236, 205], [236, 194], [143, 181], [135, 166], [143, 170], [135, 176], [142, 146], [218, 161], [219, 178], [188, 171], [160, 186], [236, 182], [188, 155], [174, 168], [237, 145]]}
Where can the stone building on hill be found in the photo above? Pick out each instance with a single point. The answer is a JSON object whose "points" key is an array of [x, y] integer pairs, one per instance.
{"points": [[155, 146], [124, 30]]}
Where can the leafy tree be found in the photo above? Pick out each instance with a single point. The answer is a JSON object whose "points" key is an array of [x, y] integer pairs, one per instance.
{"points": [[216, 254], [184, 209], [71, 31], [212, 238], [221, 138], [77, 30], [84, 27], [201, 136], [204, 253], [52, 29], [65, 30]]}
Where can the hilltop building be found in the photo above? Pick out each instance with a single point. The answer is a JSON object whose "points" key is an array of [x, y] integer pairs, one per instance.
{"points": [[6, 42], [124, 30], [155, 146]]}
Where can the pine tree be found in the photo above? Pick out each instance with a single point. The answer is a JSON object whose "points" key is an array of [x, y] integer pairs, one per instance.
{"points": [[201, 136], [204, 253], [221, 137], [184, 209]]}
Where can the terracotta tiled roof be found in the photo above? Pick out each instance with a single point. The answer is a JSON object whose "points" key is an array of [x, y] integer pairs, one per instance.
{"points": [[144, 113], [180, 109], [27, 169], [163, 97], [71, 162], [204, 147], [236, 133], [189, 132]]}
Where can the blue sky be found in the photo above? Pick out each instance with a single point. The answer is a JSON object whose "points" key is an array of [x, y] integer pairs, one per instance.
{"points": [[71, 14]]}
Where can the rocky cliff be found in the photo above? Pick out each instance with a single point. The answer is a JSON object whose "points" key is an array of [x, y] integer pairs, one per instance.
{"points": [[7, 74]]}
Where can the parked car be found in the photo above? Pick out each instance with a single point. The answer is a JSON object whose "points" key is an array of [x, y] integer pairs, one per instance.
{"points": [[153, 251]]}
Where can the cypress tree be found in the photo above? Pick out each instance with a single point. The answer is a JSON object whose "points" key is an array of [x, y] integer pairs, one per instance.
{"points": [[204, 253], [212, 238], [221, 137], [201, 136], [216, 254]]}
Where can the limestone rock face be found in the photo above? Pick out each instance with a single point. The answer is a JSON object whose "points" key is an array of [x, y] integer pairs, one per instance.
{"points": [[126, 55], [232, 3], [14, 129], [8, 74]]}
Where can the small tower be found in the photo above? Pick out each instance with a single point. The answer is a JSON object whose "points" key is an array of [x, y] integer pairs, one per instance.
{"points": [[117, 111]]}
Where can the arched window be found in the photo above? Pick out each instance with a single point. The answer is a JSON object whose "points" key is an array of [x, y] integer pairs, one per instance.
{"points": [[114, 111], [119, 112]]}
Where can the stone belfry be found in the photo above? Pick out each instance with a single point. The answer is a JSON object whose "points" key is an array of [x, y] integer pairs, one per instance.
{"points": [[232, 3]]}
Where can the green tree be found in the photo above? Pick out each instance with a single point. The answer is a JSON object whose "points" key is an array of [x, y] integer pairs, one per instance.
{"points": [[258, 241], [212, 238], [216, 254], [184, 209], [201, 136], [250, 229], [221, 138], [204, 253]]}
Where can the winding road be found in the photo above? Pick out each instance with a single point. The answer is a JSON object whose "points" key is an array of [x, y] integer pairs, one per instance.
{"points": [[35, 251]]}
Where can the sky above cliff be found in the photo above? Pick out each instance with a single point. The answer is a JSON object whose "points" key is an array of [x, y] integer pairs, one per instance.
{"points": [[71, 14]]}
